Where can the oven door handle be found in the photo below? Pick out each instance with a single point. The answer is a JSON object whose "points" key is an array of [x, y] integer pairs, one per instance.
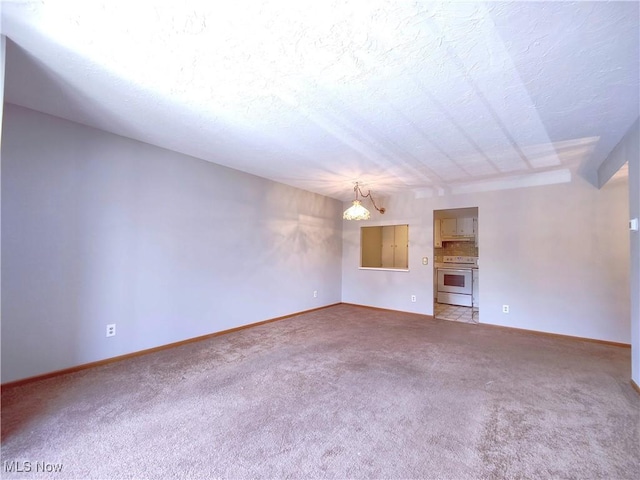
{"points": [[457, 270]]}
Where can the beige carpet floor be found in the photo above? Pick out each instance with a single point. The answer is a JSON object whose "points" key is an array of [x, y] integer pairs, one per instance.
{"points": [[343, 392]]}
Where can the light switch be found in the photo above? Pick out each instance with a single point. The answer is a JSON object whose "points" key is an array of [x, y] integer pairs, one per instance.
{"points": [[633, 224]]}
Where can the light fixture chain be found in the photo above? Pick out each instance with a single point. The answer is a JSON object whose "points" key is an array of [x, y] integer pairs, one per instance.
{"points": [[357, 189]]}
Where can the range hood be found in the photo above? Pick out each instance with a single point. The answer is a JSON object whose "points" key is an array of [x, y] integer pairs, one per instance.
{"points": [[459, 238]]}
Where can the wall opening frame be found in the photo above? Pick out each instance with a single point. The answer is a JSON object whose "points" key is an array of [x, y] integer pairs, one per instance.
{"points": [[385, 247]]}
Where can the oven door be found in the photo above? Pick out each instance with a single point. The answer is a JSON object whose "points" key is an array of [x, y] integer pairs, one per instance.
{"points": [[455, 281]]}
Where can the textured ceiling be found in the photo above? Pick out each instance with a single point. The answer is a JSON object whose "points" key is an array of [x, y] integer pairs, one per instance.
{"points": [[434, 97]]}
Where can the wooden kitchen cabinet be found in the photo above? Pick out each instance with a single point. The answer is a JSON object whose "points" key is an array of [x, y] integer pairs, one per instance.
{"points": [[451, 227], [437, 235], [401, 254], [464, 226], [448, 227], [395, 242], [384, 246], [475, 231]]}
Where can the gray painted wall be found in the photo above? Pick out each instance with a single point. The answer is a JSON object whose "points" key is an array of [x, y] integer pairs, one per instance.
{"points": [[557, 254], [2, 62], [634, 212], [102, 229], [630, 148]]}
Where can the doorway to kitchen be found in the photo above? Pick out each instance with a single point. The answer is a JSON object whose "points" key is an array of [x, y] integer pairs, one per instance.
{"points": [[456, 260]]}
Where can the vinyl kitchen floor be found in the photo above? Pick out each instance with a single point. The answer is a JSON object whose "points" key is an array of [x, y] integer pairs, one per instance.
{"points": [[456, 313]]}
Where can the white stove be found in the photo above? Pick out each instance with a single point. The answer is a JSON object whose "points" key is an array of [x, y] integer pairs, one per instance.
{"points": [[455, 280]]}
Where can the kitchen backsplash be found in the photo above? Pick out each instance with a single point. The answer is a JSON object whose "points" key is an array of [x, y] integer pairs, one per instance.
{"points": [[449, 249]]}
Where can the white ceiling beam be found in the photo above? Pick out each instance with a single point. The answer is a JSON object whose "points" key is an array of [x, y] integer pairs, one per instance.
{"points": [[618, 156]]}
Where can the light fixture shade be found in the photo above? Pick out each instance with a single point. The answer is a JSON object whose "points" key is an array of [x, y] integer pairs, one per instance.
{"points": [[356, 212]]}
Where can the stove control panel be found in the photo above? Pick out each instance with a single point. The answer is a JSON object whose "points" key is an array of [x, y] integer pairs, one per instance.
{"points": [[460, 259]]}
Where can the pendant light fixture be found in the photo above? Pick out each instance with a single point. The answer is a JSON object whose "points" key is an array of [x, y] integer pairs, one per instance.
{"points": [[357, 211]]}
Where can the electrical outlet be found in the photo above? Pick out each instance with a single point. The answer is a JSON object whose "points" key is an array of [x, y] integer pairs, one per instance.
{"points": [[111, 330], [505, 308], [315, 294], [425, 260], [413, 298]]}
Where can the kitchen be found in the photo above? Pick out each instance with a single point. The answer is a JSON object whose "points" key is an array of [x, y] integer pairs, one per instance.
{"points": [[456, 273]]}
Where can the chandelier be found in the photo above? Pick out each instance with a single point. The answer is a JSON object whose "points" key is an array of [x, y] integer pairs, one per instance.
{"points": [[357, 211]]}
